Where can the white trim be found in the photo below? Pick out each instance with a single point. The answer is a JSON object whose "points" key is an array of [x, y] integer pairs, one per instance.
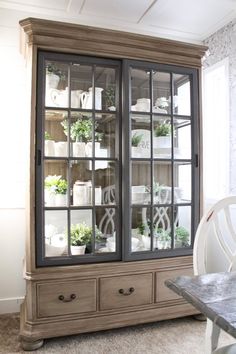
{"points": [[10, 305]]}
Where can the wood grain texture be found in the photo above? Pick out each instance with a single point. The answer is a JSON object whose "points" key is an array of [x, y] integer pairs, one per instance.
{"points": [[110, 287], [87, 40]]}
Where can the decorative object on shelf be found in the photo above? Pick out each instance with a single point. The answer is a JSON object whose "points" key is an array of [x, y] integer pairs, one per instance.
{"points": [[162, 136], [140, 195], [82, 193], [142, 105], [55, 243], [49, 145], [55, 192], [109, 95], [182, 237], [53, 76], [75, 98], [87, 98], [143, 148], [61, 148], [80, 238], [163, 239]]}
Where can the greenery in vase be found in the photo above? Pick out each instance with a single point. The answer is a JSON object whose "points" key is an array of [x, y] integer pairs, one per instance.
{"points": [[52, 69], [136, 139], [182, 236], [56, 184], [80, 234], [47, 136], [109, 94], [82, 130], [163, 129]]}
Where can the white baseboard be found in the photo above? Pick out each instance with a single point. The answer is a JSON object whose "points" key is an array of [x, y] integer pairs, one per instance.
{"points": [[10, 305]]}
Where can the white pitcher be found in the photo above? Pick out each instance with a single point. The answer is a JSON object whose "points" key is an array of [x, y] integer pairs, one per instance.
{"points": [[75, 98], [87, 98]]}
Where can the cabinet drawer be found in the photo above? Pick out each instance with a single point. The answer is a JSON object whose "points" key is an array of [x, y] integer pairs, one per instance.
{"points": [[162, 292], [127, 290], [66, 298]]}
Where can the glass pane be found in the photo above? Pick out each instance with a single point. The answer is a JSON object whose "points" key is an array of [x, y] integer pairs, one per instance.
{"points": [[55, 136], [55, 233], [104, 180], [105, 88], [181, 99], [81, 183], [81, 232], [141, 182], [56, 84], [182, 229], [55, 183], [140, 90], [182, 183], [161, 93], [162, 190], [105, 134], [162, 137], [140, 136], [141, 223], [81, 86], [162, 221], [105, 230], [182, 139]]}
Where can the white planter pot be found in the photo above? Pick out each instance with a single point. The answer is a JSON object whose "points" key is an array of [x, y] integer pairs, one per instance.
{"points": [[52, 81], [136, 151], [49, 198], [79, 149], [61, 149], [162, 142], [60, 200], [89, 149], [76, 250], [49, 148], [163, 245]]}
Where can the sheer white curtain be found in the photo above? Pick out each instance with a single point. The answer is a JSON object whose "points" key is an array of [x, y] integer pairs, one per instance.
{"points": [[215, 132]]}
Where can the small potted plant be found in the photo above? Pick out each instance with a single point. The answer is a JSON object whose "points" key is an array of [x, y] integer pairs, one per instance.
{"points": [[135, 141], [53, 76], [49, 145], [162, 136], [163, 239], [55, 191], [182, 237], [109, 95], [80, 238]]}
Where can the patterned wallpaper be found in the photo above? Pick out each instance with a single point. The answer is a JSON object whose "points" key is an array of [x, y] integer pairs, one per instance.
{"points": [[222, 44]]}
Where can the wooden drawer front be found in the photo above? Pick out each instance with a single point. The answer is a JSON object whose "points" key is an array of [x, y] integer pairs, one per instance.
{"points": [[66, 298], [127, 290], [162, 292]]}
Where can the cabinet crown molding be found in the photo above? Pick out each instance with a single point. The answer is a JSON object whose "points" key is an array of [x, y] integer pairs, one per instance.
{"points": [[87, 40]]}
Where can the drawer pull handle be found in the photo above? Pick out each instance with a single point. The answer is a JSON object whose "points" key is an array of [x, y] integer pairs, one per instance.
{"points": [[71, 298], [126, 293]]}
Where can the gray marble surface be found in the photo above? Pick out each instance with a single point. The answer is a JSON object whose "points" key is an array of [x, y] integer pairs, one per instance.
{"points": [[212, 294]]}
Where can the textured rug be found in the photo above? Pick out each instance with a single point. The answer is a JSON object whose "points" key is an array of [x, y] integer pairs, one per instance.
{"points": [[180, 336]]}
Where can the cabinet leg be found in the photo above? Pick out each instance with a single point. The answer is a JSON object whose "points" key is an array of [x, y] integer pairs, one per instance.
{"points": [[31, 345]]}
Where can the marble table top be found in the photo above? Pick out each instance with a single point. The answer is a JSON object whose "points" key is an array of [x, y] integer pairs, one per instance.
{"points": [[214, 295]]}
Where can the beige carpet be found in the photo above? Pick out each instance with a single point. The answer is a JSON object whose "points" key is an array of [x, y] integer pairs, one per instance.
{"points": [[180, 336]]}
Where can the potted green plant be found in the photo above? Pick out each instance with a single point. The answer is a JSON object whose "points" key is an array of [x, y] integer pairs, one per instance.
{"points": [[135, 141], [109, 95], [55, 191], [163, 238], [53, 76], [80, 237], [49, 145], [182, 237], [162, 136]]}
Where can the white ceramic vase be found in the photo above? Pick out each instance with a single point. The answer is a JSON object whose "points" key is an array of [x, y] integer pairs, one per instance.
{"points": [[79, 149], [52, 81], [162, 142], [61, 149], [60, 200], [49, 198]]}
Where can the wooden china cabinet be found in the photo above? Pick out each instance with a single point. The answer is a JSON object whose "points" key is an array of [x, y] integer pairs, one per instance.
{"points": [[114, 177]]}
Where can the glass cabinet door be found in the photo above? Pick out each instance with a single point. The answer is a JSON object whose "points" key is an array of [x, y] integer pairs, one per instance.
{"points": [[163, 178], [78, 166]]}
